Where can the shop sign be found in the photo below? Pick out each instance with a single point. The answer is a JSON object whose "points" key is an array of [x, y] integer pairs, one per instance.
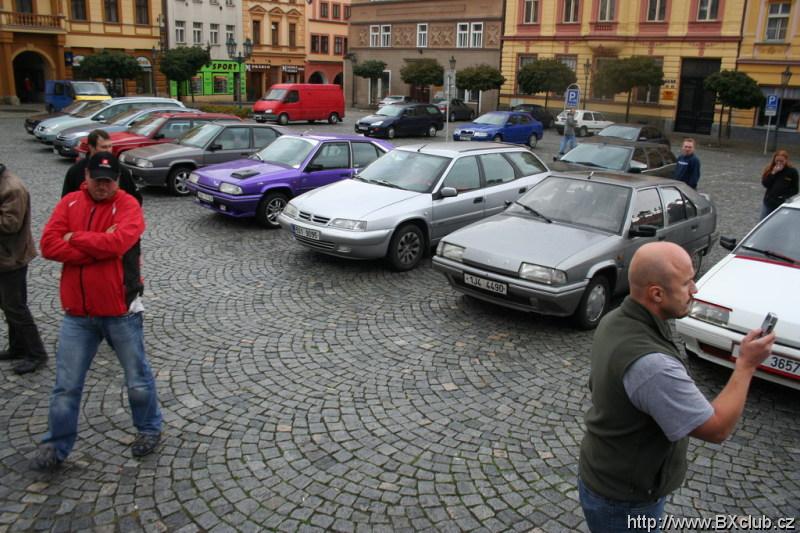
{"points": [[144, 62]]}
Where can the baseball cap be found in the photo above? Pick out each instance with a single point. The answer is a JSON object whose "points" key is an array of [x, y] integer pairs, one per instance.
{"points": [[103, 165]]}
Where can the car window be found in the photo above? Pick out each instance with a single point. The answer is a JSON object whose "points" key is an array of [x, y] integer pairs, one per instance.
{"points": [[332, 155], [496, 169], [292, 97], [676, 207], [647, 209], [58, 89], [464, 175], [432, 109], [654, 158], [639, 155], [667, 155], [175, 128], [112, 110], [691, 209], [526, 163], [598, 116], [234, 139], [263, 136], [513, 120], [524, 119], [364, 154], [587, 116]]}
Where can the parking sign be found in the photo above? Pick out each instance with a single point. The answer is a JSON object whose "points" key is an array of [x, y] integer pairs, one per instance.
{"points": [[772, 106], [573, 97]]}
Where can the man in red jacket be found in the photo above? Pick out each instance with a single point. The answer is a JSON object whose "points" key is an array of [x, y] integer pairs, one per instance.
{"points": [[89, 232]]}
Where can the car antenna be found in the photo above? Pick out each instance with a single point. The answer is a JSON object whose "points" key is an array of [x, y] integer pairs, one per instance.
{"points": [[421, 147], [591, 175], [305, 132]]}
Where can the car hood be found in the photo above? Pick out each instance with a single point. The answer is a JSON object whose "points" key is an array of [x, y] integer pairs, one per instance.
{"points": [[479, 127], [566, 166], [57, 122], [166, 151], [46, 116], [79, 131], [369, 119], [352, 199], [125, 138], [505, 241], [214, 174]]}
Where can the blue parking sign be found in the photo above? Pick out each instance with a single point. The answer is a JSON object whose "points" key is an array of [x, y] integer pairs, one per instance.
{"points": [[772, 105], [573, 97]]}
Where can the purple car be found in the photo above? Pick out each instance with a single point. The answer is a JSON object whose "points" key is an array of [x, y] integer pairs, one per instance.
{"points": [[261, 185]]}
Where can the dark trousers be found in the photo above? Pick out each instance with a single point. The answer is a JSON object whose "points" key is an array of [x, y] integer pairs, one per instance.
{"points": [[23, 335]]}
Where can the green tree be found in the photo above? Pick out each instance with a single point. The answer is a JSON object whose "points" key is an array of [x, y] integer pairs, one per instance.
{"points": [[547, 76], [479, 78], [111, 64], [183, 63], [371, 70], [734, 90], [626, 74], [422, 72]]}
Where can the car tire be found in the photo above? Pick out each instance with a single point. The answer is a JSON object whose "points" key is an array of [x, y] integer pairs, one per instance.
{"points": [[333, 118], [533, 140], [176, 181], [497, 138], [390, 133], [583, 132], [283, 119], [550, 122], [269, 208], [594, 303], [406, 248], [432, 131]]}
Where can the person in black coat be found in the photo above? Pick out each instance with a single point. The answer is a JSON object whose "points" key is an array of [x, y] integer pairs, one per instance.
{"points": [[781, 181]]}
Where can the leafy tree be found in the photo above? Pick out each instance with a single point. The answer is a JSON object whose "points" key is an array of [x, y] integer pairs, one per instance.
{"points": [[111, 64], [624, 75], [479, 78], [734, 89], [371, 69], [547, 76], [422, 72], [181, 64]]}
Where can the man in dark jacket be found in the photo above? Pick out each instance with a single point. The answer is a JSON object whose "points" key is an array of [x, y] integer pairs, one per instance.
{"points": [[89, 231], [687, 168], [644, 403], [16, 243]]}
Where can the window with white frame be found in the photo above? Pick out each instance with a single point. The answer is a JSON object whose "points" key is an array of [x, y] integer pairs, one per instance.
{"points": [[467, 96], [523, 60], [531, 14], [778, 21], [422, 35], [180, 31], [374, 36], [197, 32], [213, 33], [230, 29], [656, 10], [462, 35], [476, 35], [570, 61], [707, 9], [606, 13], [386, 35], [571, 10]]}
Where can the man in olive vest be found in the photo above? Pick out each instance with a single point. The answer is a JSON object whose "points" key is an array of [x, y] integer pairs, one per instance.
{"points": [[644, 403]]}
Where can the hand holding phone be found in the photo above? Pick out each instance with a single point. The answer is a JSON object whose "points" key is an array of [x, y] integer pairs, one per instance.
{"points": [[769, 324]]}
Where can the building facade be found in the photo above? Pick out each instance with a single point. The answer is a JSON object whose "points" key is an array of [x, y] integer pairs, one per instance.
{"points": [[326, 41], [398, 32]]}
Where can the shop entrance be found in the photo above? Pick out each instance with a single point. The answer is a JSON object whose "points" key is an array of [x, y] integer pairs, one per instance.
{"points": [[30, 72], [695, 112]]}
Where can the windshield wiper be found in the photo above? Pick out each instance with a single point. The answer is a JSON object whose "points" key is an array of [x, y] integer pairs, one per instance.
{"points": [[359, 178], [772, 254], [387, 184], [584, 163], [534, 211], [256, 156]]}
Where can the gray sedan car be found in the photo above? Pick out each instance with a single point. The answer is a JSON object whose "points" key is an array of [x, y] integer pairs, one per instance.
{"points": [[565, 247], [407, 200]]}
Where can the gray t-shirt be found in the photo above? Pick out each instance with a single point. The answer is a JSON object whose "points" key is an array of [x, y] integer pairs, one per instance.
{"points": [[659, 385]]}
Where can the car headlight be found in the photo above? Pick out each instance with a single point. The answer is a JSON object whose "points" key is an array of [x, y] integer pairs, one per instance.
{"points": [[540, 274], [708, 312], [143, 163], [346, 223], [481, 134], [291, 210], [194, 178], [457, 132], [230, 188], [450, 251], [377, 123], [267, 111]]}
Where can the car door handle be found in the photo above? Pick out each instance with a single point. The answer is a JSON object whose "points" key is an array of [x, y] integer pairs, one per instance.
{"points": [[522, 190], [694, 227], [477, 200]]}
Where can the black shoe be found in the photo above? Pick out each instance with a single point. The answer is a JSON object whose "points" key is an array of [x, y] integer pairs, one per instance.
{"points": [[6, 355], [29, 365], [46, 459], [145, 444]]}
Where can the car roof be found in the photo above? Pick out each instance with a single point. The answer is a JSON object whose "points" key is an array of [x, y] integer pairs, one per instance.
{"points": [[192, 114], [630, 125], [793, 202], [155, 99], [333, 136], [461, 147], [635, 181], [623, 142]]}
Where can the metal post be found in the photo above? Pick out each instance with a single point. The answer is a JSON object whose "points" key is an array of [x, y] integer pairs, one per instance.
{"points": [[766, 137], [447, 110], [778, 119]]}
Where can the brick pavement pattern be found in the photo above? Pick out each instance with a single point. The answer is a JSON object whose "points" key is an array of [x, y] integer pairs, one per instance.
{"points": [[308, 393]]}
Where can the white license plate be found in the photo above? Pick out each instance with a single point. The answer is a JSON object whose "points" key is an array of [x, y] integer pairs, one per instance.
{"points": [[205, 197], [486, 284], [466, 137], [776, 363], [362, 128], [307, 233]]}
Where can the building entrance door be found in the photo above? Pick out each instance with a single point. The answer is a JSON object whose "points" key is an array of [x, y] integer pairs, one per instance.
{"points": [[30, 73], [695, 112], [421, 93]]}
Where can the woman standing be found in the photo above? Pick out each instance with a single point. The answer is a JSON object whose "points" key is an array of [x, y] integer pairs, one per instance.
{"points": [[780, 180]]}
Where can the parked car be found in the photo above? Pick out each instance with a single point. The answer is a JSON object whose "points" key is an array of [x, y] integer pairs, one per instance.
{"points": [[635, 132], [58, 94], [169, 164], [407, 200], [760, 275], [402, 119], [564, 248], [502, 126], [395, 99], [538, 112], [48, 130], [34, 120], [458, 109], [261, 186], [286, 102], [69, 140], [622, 156], [589, 122]]}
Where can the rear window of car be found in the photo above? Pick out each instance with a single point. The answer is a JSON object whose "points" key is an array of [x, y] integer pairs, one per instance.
{"points": [[526, 162], [432, 109], [364, 153]]}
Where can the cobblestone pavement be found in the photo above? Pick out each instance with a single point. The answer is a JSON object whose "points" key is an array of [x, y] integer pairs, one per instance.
{"points": [[307, 393]]}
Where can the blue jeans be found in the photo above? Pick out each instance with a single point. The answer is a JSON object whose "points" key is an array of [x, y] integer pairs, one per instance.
{"points": [[612, 516], [78, 341], [765, 211], [567, 140]]}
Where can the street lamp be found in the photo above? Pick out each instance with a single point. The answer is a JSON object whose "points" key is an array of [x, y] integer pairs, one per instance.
{"points": [[451, 78], [786, 75], [154, 54], [239, 58], [587, 69]]}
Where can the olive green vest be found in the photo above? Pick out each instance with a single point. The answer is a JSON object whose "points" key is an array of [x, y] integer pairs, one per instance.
{"points": [[625, 455]]}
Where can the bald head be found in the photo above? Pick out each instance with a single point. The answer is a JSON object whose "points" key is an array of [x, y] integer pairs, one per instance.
{"points": [[661, 278]]}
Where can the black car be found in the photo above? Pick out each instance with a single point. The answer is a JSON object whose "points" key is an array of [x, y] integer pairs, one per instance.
{"points": [[635, 132], [458, 109], [538, 112], [402, 119], [607, 153]]}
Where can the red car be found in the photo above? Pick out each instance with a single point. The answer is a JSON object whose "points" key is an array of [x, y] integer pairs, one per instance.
{"points": [[158, 129]]}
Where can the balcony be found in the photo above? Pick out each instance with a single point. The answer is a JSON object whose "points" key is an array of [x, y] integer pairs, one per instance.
{"points": [[31, 22]]}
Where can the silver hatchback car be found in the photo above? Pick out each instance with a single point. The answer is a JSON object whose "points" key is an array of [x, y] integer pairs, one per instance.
{"points": [[406, 201]]}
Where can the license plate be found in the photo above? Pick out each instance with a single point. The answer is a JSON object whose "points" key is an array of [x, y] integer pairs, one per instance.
{"points": [[55, 151], [466, 137], [777, 363], [307, 233], [205, 197], [362, 128], [486, 284]]}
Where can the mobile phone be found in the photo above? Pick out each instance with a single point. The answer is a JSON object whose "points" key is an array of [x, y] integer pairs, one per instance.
{"points": [[769, 324]]}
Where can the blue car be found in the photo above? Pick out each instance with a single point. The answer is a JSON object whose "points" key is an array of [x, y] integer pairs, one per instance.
{"points": [[502, 126]]}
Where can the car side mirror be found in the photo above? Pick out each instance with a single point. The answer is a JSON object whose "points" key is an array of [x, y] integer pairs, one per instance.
{"points": [[314, 167], [729, 243], [448, 192], [214, 147], [637, 167], [645, 230]]}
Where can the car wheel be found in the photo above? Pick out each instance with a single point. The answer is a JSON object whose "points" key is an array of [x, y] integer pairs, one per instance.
{"points": [[390, 133], [176, 182], [432, 131], [550, 122], [406, 248], [594, 303], [583, 132], [269, 208], [533, 140], [283, 119], [333, 118], [497, 138]]}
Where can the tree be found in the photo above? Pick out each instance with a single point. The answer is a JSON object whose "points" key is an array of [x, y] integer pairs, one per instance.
{"points": [[371, 69], [547, 76], [734, 89], [479, 78], [626, 74], [181, 64], [111, 64], [422, 72]]}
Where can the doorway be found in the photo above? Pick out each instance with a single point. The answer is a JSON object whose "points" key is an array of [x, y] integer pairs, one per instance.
{"points": [[695, 113], [316, 77], [421, 93], [30, 73]]}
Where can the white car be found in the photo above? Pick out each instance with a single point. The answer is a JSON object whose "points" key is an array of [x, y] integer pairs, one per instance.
{"points": [[589, 122], [395, 99], [761, 275]]}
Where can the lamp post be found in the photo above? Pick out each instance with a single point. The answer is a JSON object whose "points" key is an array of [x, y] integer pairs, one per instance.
{"points": [[451, 80], [154, 55], [786, 75], [239, 58], [587, 69]]}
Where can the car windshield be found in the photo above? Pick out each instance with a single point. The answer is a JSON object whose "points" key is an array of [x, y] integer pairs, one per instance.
{"points": [[439, 100], [494, 119], [200, 135], [275, 95], [589, 204], [91, 109], [289, 151], [392, 98], [401, 169], [122, 118], [88, 88], [621, 132], [147, 127], [599, 155], [75, 107], [776, 239], [115, 117], [390, 111]]}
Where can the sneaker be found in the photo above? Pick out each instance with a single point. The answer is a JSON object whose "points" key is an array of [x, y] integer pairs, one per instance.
{"points": [[28, 365], [46, 459], [145, 444], [6, 355]]}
